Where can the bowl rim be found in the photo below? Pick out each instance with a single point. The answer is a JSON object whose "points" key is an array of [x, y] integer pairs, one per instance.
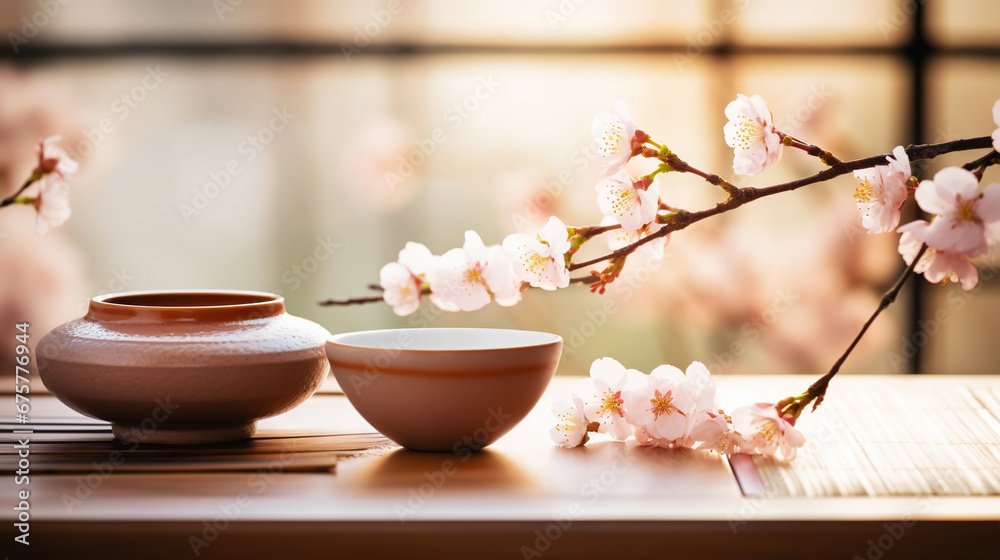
{"points": [[104, 308], [103, 299], [334, 340]]}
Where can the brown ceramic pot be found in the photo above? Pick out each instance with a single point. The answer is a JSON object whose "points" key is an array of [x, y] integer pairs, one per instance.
{"points": [[184, 367]]}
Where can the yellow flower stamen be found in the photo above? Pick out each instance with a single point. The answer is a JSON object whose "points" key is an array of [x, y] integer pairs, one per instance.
{"points": [[612, 403], [768, 430], [967, 211], [612, 139], [662, 404], [863, 194]]}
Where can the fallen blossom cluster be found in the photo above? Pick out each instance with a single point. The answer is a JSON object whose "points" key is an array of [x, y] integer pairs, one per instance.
{"points": [[669, 408]]}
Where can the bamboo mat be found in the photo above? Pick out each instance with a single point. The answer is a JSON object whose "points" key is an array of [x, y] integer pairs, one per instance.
{"points": [[900, 441], [67, 445]]}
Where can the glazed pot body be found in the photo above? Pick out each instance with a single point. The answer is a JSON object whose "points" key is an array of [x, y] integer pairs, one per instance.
{"points": [[455, 390], [184, 367]]}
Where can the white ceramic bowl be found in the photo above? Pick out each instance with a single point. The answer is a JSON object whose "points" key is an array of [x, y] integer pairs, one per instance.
{"points": [[452, 390]]}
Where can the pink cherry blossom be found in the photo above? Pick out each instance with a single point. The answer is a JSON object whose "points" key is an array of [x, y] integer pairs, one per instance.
{"points": [[613, 133], [463, 278], [661, 405], [539, 259], [996, 120], [767, 431], [936, 266], [571, 423], [54, 160], [417, 258], [52, 204], [621, 237], [714, 433], [962, 211], [501, 276], [54, 168], [882, 192], [752, 135], [602, 392], [402, 281], [634, 208]]}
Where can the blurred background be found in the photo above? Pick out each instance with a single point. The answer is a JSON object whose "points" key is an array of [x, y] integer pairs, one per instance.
{"points": [[295, 146]]}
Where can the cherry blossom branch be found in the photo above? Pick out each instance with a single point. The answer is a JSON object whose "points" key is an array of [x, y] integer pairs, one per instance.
{"points": [[811, 149], [353, 300], [677, 164], [584, 280], [678, 219], [817, 391], [682, 218], [12, 199], [978, 166]]}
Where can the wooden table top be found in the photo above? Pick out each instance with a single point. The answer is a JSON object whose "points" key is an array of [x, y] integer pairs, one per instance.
{"points": [[520, 498]]}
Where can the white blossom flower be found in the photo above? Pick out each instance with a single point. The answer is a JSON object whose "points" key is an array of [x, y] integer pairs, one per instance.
{"points": [[402, 281], [768, 431], [52, 204], [996, 120], [692, 394], [463, 278], [539, 260], [602, 392], [661, 406], [54, 168], [571, 423], [417, 258], [714, 433], [936, 266], [962, 211], [621, 237], [882, 192], [54, 160], [613, 133], [752, 135], [634, 208]]}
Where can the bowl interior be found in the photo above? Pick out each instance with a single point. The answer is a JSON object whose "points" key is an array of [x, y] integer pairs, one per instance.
{"points": [[187, 299], [445, 339]]}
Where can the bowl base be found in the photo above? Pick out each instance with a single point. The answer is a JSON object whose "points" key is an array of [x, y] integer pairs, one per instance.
{"points": [[187, 436]]}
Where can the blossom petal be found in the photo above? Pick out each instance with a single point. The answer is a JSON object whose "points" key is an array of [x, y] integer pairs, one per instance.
{"points": [[929, 198], [416, 257], [988, 207]]}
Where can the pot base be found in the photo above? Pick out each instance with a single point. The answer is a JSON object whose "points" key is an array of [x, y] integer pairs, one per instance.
{"points": [[190, 436]]}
